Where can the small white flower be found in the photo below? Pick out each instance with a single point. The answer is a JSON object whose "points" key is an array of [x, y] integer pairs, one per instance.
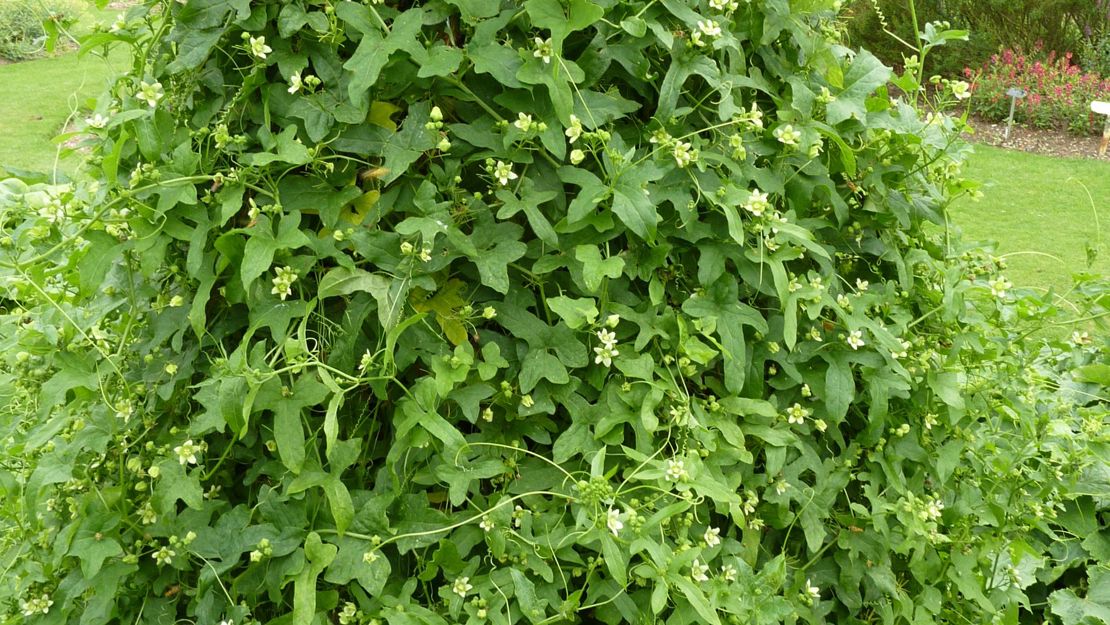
{"points": [[259, 48], [728, 573], [187, 452], [861, 285], [754, 117], [903, 352], [787, 135], [283, 282], [712, 537], [523, 122], [150, 93], [543, 49], [684, 154], [462, 586], [820, 425], [607, 338], [608, 348], [1079, 339], [782, 486], [676, 470], [757, 203], [97, 121], [613, 521], [503, 172], [999, 286], [605, 355], [812, 590], [295, 82], [796, 414], [612, 321], [855, 339], [698, 571], [575, 130], [577, 156], [960, 89], [710, 28], [487, 524], [36, 605], [164, 556]]}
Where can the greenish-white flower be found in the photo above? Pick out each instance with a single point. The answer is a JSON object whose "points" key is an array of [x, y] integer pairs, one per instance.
{"points": [[164, 556], [543, 50], [728, 573], [709, 28], [187, 452], [1000, 286], [796, 414], [787, 135], [97, 121], [855, 339], [684, 154], [575, 129], [960, 89], [577, 156], [295, 82], [613, 521], [150, 93], [699, 572], [504, 173], [712, 537], [676, 470], [523, 122], [283, 282], [757, 203], [259, 48], [36, 605], [462, 586]]}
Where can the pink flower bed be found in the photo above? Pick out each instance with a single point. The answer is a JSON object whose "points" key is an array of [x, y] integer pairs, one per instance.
{"points": [[1059, 93]]}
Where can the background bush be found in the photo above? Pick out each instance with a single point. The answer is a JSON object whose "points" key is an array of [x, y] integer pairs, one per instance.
{"points": [[22, 35], [1059, 26], [457, 311]]}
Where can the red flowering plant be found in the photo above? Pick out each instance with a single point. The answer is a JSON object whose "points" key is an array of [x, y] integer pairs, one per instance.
{"points": [[1059, 92]]}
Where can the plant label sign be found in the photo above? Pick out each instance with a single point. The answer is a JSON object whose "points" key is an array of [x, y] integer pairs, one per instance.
{"points": [[1015, 95], [1103, 108]]}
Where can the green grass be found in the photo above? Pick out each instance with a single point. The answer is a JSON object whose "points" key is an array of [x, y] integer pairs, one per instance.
{"points": [[41, 95], [1038, 210]]}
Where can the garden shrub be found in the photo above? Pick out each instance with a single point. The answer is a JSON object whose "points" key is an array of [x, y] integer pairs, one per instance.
{"points": [[461, 311], [1054, 25], [1059, 93], [23, 33]]}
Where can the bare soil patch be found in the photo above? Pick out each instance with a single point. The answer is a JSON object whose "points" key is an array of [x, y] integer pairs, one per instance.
{"points": [[1048, 142]]}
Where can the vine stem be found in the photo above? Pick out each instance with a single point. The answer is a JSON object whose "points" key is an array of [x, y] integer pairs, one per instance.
{"points": [[448, 528]]}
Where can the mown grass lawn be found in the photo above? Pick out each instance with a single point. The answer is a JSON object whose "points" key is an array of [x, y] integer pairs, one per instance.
{"points": [[40, 96], [1043, 212]]}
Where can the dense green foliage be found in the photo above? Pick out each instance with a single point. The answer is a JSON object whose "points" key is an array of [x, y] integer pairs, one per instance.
{"points": [[588, 311]]}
